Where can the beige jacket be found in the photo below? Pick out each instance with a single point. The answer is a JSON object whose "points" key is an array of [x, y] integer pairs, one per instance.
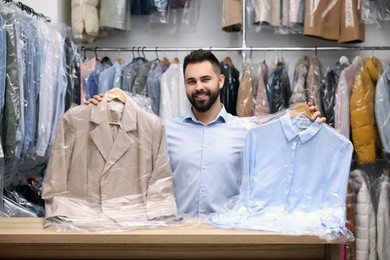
{"points": [[122, 177]]}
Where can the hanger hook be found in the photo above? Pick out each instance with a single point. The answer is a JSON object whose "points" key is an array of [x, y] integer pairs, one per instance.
{"points": [[156, 54], [143, 54], [132, 51], [250, 54], [315, 50], [96, 52]]}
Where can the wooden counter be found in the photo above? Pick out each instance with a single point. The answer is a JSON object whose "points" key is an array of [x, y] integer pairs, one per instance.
{"points": [[25, 238]]}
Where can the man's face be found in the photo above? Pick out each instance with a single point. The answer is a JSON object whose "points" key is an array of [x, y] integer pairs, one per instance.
{"points": [[202, 85]]}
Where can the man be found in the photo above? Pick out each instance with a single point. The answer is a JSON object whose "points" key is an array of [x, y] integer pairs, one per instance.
{"points": [[205, 144]]}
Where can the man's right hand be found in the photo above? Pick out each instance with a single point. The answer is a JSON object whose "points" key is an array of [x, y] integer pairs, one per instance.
{"points": [[94, 100]]}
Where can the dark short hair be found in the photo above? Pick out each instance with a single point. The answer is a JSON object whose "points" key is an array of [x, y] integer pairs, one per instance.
{"points": [[201, 55]]}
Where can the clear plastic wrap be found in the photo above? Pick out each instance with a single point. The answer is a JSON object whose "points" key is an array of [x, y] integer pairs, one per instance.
{"points": [[313, 81], [292, 188], [382, 108], [85, 19], [115, 14], [334, 20], [231, 15], [365, 135], [245, 106], [109, 169], [278, 87]]}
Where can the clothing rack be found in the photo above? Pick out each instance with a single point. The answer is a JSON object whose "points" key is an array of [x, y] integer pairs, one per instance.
{"points": [[29, 10], [239, 49]]}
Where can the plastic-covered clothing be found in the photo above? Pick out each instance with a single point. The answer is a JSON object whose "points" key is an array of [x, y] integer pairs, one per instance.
{"points": [[278, 88], [109, 169], [336, 20], [364, 131], [245, 105], [231, 15], [382, 108], [299, 82], [229, 91], [382, 193], [313, 81], [365, 239], [328, 89], [262, 104], [115, 14], [284, 191]]}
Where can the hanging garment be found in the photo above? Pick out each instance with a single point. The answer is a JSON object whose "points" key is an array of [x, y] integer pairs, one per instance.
{"points": [[153, 85], [365, 135], [110, 164], [245, 104], [382, 194], [262, 105], [92, 80], [173, 99], [291, 188], [231, 85], [343, 95], [115, 14], [337, 20], [382, 109], [299, 83], [365, 239], [313, 81], [72, 61], [231, 15], [328, 87], [278, 88]]}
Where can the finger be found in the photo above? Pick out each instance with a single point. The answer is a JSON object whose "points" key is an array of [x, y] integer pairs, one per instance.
{"points": [[86, 102], [101, 95], [315, 115], [313, 108], [309, 104], [98, 97], [323, 119]]}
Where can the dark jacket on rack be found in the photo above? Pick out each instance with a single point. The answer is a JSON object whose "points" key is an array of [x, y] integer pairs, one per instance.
{"points": [[278, 88], [230, 86], [328, 88]]}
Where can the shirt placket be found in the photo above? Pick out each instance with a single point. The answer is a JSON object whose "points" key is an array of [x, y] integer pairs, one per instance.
{"points": [[295, 145], [203, 176]]}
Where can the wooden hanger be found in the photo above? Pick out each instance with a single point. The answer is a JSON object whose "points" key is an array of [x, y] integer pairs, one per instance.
{"points": [[176, 60], [164, 61], [228, 61], [116, 93], [300, 110]]}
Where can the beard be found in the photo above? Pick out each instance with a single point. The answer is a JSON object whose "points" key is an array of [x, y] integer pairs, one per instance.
{"points": [[203, 105]]}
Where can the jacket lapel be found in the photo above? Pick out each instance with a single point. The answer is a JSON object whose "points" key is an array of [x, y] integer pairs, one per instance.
{"points": [[111, 150]]}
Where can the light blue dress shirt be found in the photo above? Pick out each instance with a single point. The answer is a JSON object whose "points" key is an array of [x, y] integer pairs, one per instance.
{"points": [[205, 160], [294, 180]]}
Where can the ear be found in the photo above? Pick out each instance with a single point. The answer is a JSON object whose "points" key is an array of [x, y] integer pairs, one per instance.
{"points": [[221, 80]]}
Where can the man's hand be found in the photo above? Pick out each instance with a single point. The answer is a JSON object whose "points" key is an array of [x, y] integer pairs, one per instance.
{"points": [[95, 100], [315, 113]]}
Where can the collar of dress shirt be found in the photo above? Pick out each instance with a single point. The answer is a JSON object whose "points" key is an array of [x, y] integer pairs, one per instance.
{"points": [[221, 118], [291, 131]]}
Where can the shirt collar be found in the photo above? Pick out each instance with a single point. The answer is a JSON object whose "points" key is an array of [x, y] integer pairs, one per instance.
{"points": [[221, 118], [291, 131]]}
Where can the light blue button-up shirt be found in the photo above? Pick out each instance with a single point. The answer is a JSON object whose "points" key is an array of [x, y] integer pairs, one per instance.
{"points": [[206, 161], [294, 180]]}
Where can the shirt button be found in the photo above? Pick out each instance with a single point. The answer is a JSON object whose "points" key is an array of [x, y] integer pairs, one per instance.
{"points": [[202, 189], [205, 146], [203, 168]]}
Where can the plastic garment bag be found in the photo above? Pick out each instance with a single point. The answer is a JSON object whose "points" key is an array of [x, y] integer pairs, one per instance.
{"points": [[282, 190], [382, 110]]}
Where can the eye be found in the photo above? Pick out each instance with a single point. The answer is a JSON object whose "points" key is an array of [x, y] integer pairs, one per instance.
{"points": [[191, 81], [207, 79]]}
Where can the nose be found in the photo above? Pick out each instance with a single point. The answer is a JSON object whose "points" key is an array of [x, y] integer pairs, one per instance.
{"points": [[199, 85]]}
